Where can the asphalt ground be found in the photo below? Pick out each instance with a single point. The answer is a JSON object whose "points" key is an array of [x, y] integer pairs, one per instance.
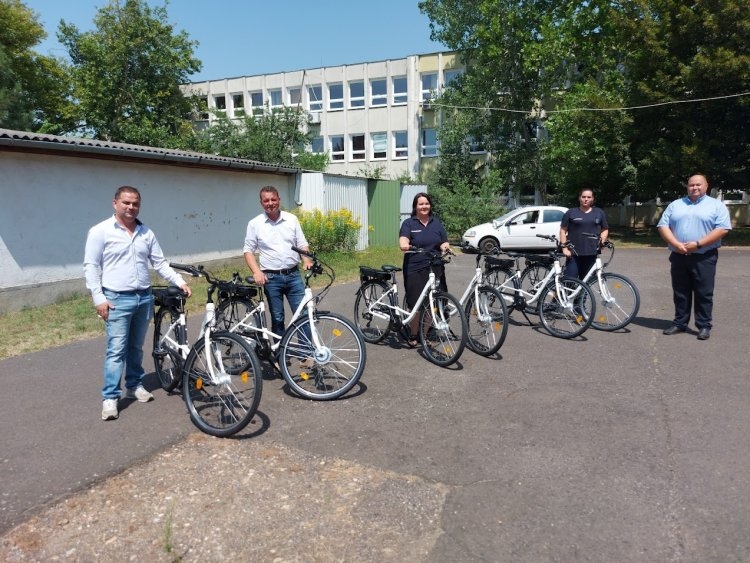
{"points": [[625, 446]]}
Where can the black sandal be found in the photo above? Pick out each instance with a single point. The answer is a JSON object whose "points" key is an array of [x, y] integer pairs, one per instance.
{"points": [[412, 343]]}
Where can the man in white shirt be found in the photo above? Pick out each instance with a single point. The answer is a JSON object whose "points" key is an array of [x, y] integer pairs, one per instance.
{"points": [[272, 235], [116, 263]]}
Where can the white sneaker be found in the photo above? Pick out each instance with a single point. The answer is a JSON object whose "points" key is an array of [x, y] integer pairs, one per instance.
{"points": [[139, 393], [109, 409]]}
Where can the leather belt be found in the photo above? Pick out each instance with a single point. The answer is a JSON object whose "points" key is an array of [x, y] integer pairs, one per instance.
{"points": [[284, 272], [130, 291]]}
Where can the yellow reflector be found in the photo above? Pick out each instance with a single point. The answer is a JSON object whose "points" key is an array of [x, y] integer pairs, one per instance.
{"points": [[198, 383], [336, 332], [618, 285], [304, 376], [244, 377]]}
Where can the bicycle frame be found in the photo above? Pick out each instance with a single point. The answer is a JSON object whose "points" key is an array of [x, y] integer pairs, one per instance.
{"points": [[398, 314], [513, 284]]}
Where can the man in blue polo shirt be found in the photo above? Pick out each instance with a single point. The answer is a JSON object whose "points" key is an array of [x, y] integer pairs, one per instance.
{"points": [[693, 227]]}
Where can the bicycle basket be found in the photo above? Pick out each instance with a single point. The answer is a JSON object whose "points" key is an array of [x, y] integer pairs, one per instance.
{"points": [[167, 296], [371, 274]]}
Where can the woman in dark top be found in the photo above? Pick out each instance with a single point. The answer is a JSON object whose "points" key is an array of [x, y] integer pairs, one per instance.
{"points": [[576, 226], [421, 230]]}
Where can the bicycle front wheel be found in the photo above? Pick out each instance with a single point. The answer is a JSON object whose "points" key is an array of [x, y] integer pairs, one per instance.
{"points": [[567, 309], [327, 372], [487, 321], [442, 330], [367, 311], [617, 302], [168, 362], [222, 384]]}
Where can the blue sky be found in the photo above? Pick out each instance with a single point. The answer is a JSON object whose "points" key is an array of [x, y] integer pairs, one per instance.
{"points": [[248, 37]]}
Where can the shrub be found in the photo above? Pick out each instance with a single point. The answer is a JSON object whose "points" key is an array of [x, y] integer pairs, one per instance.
{"points": [[329, 231]]}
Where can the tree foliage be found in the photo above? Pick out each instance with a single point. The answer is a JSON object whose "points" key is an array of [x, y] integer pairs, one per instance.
{"points": [[277, 136], [126, 74], [33, 88], [574, 67]]}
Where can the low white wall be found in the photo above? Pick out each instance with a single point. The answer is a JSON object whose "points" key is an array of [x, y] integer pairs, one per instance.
{"points": [[49, 203]]}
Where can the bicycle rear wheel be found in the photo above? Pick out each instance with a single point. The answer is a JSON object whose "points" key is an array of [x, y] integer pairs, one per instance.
{"points": [[487, 321], [442, 330], [531, 278], [168, 362], [616, 304], [566, 310], [224, 404], [374, 328], [329, 371], [231, 311]]}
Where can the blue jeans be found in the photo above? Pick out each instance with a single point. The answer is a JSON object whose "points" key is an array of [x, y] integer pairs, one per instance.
{"points": [[277, 286], [126, 330]]}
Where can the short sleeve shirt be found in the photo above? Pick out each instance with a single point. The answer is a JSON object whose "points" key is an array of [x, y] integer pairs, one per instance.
{"points": [[580, 224], [690, 221], [427, 237]]}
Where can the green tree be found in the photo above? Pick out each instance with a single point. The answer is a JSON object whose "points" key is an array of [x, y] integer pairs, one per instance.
{"points": [[689, 51], [275, 137], [127, 74], [33, 88]]}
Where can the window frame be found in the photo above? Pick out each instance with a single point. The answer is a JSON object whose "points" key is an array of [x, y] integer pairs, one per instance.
{"points": [[335, 103], [356, 102], [384, 151], [397, 94], [279, 101], [254, 108], [378, 100], [359, 153], [428, 94], [429, 150], [336, 155], [315, 102], [400, 149]]}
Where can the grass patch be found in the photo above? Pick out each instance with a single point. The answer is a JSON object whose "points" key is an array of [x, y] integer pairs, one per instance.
{"points": [[649, 237], [74, 317]]}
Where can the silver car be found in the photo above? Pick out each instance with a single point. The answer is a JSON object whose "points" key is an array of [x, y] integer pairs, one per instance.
{"points": [[517, 229]]}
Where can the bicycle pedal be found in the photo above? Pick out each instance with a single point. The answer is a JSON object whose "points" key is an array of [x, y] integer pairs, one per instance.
{"points": [[159, 353]]}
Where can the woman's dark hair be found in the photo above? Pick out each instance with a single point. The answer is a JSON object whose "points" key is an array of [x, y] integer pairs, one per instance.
{"points": [[414, 203]]}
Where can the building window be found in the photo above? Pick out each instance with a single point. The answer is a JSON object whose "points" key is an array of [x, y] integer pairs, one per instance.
{"points": [[220, 103], [315, 97], [316, 145], [295, 96], [335, 96], [238, 104], [378, 92], [356, 94], [203, 108], [429, 142], [400, 144], [379, 146], [450, 76], [475, 145], [256, 102], [429, 85], [358, 147], [337, 147], [399, 90], [275, 97]]}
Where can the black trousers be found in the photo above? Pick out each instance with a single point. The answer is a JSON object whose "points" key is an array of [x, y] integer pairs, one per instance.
{"points": [[693, 277]]}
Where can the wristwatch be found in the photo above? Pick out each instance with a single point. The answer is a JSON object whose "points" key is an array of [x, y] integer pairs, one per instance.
{"points": [[697, 244]]}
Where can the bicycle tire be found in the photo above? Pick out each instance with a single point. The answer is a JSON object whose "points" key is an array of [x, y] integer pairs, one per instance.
{"points": [[442, 332], [487, 322], [231, 311], [168, 363], [620, 307], [373, 329], [226, 407], [571, 315], [531, 278], [329, 372]]}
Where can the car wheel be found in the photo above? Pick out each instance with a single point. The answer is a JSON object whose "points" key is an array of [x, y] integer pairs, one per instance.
{"points": [[486, 245]]}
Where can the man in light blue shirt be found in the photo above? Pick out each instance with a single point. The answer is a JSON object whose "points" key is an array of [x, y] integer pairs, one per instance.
{"points": [[116, 263], [693, 227]]}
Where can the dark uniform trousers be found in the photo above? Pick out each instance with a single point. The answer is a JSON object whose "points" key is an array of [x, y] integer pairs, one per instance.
{"points": [[693, 277]]}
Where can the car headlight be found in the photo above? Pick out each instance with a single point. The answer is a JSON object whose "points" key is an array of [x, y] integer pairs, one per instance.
{"points": [[471, 233]]}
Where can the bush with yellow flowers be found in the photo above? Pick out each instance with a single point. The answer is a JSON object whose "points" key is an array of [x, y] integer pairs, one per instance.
{"points": [[329, 231]]}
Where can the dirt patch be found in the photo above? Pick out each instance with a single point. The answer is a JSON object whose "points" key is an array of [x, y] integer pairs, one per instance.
{"points": [[211, 499]]}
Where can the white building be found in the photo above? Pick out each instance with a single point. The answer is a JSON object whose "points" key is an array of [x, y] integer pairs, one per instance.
{"points": [[373, 119]]}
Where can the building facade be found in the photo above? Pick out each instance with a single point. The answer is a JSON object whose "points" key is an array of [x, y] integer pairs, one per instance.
{"points": [[372, 119]]}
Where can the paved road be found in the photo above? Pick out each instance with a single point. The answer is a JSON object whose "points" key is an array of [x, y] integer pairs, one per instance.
{"points": [[626, 446]]}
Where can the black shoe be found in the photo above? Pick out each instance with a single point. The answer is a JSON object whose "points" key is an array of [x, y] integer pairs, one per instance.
{"points": [[704, 334], [674, 329]]}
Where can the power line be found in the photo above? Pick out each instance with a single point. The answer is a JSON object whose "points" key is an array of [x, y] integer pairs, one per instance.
{"points": [[570, 110]]}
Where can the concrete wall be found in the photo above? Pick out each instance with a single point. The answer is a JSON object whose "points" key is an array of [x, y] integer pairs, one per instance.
{"points": [[49, 202], [648, 214]]}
